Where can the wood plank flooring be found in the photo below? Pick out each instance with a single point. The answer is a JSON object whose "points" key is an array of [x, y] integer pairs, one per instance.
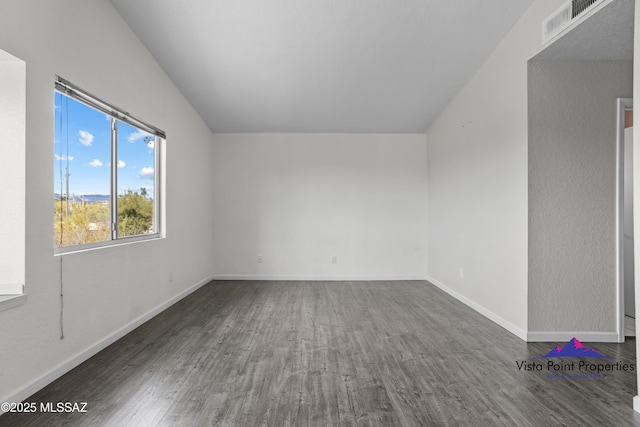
{"points": [[329, 354]]}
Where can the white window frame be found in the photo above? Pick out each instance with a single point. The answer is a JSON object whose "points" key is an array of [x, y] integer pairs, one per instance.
{"points": [[116, 114]]}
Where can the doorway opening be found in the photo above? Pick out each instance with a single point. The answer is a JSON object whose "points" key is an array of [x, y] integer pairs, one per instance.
{"points": [[625, 232]]}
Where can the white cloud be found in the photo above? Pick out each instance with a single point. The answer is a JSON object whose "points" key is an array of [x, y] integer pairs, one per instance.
{"points": [[121, 164], [86, 138], [95, 163], [146, 173], [134, 136], [59, 157]]}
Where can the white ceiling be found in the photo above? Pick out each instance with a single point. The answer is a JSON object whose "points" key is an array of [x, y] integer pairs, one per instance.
{"points": [[383, 66]]}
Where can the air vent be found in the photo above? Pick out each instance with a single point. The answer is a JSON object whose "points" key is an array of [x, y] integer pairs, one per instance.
{"points": [[581, 6], [566, 15]]}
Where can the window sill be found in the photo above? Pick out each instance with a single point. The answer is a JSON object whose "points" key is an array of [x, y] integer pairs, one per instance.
{"points": [[106, 244], [10, 301]]}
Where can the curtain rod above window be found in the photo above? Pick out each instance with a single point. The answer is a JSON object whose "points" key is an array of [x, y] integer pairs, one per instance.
{"points": [[80, 94]]}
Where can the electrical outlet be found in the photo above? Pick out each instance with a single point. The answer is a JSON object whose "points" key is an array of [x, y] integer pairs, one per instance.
{"points": [[462, 273], [259, 259], [334, 260]]}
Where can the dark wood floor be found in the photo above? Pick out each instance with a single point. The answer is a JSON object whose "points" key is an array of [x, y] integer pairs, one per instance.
{"points": [[329, 353]]}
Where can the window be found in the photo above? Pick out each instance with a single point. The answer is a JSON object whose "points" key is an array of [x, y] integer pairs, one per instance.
{"points": [[106, 173]]}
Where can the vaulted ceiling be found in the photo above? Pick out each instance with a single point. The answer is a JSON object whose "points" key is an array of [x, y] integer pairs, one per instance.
{"points": [[352, 66]]}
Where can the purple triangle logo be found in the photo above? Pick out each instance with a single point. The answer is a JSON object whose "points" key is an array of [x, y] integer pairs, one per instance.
{"points": [[573, 348]]}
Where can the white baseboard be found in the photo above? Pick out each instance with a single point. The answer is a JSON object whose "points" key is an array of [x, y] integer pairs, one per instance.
{"points": [[26, 391], [563, 336], [544, 336], [520, 333], [313, 278], [636, 403]]}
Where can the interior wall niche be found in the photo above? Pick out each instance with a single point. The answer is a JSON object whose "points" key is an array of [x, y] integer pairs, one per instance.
{"points": [[12, 173]]}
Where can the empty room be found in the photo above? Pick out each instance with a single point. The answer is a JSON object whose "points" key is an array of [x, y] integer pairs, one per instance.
{"points": [[318, 212]]}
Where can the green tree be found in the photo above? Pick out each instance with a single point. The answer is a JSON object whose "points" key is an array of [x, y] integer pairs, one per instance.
{"points": [[135, 214], [86, 223]]}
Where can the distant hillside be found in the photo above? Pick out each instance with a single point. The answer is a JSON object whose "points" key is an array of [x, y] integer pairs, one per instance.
{"points": [[88, 198]]}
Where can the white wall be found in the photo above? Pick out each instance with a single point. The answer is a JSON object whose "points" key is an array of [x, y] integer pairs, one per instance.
{"points": [[572, 194], [86, 42], [300, 199], [477, 181]]}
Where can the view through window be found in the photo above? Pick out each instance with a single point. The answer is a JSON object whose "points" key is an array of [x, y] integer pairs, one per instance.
{"points": [[105, 172]]}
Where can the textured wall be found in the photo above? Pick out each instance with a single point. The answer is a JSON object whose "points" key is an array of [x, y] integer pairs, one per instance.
{"points": [[298, 200], [572, 172]]}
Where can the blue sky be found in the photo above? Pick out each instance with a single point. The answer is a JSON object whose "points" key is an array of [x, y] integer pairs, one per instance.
{"points": [[82, 140]]}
